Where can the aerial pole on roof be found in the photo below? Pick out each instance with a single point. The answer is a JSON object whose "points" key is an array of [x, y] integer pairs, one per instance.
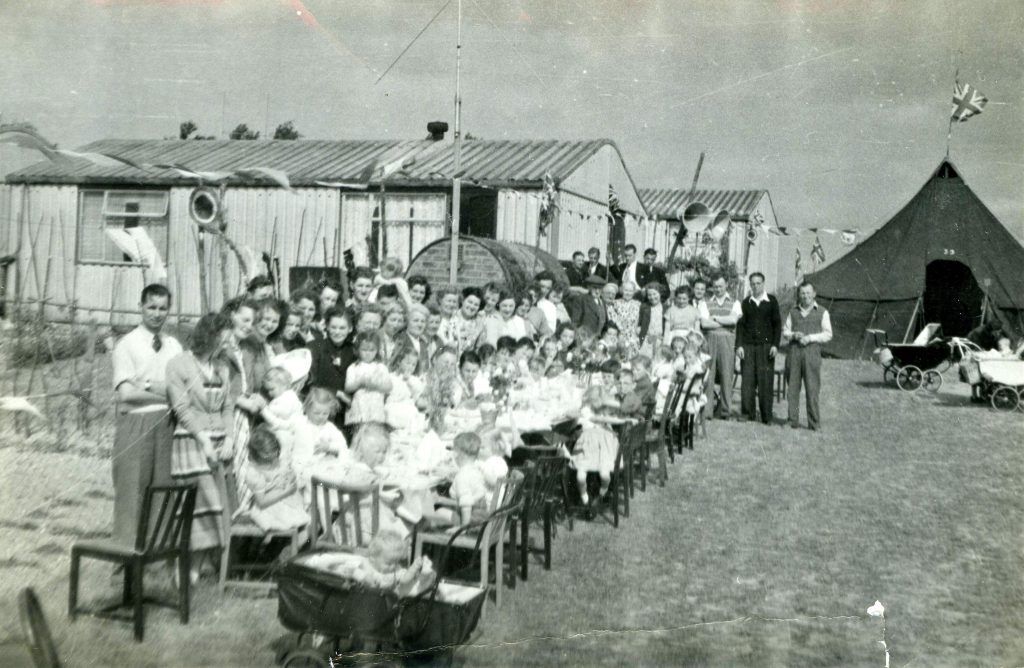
{"points": [[681, 232], [453, 269]]}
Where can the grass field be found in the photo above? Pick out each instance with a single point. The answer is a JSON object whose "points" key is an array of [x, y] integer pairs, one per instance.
{"points": [[764, 549]]}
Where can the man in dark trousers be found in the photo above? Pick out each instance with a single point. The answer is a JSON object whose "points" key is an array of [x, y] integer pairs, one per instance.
{"points": [[758, 334], [807, 329]]}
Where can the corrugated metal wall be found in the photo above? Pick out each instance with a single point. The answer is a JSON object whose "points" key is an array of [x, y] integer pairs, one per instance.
{"points": [[298, 227], [519, 218], [649, 234], [581, 223]]}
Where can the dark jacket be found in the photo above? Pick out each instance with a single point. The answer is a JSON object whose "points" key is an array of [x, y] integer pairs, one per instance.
{"points": [[575, 276], [760, 324], [330, 365], [585, 312], [599, 270]]}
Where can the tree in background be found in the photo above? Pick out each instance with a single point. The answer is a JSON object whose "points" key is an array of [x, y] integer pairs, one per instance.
{"points": [[189, 130], [242, 131], [286, 131]]}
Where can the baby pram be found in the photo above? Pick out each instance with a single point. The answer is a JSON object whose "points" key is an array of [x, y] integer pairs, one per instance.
{"points": [[370, 620], [1000, 381], [921, 363]]}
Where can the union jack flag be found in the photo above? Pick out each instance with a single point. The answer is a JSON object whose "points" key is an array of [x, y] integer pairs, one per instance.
{"points": [[817, 252], [967, 102], [613, 199]]}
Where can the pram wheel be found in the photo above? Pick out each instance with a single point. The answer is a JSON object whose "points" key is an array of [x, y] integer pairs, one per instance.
{"points": [[1005, 398], [932, 380], [909, 378]]}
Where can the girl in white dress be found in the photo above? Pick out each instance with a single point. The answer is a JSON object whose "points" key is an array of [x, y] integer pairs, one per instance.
{"points": [[597, 446], [276, 504], [367, 382]]}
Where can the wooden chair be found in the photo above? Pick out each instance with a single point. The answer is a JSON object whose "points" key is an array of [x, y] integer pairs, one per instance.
{"points": [[349, 498], [629, 437], [689, 422], [161, 540], [505, 502], [540, 485], [670, 436], [244, 528]]}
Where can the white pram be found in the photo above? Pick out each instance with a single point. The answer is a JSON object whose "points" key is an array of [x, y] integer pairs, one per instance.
{"points": [[1000, 381]]}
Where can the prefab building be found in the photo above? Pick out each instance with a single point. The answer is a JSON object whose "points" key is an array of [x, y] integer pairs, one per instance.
{"points": [[57, 214], [750, 243]]}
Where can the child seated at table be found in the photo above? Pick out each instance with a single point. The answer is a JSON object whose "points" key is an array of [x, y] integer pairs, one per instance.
{"points": [[320, 447], [630, 402], [664, 372], [469, 494], [597, 446], [497, 442], [275, 504], [485, 352], [504, 358], [525, 347], [610, 341], [641, 367], [690, 366], [400, 405], [609, 372]]}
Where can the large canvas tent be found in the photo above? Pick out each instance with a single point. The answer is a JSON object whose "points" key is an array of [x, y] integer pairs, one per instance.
{"points": [[942, 258]]}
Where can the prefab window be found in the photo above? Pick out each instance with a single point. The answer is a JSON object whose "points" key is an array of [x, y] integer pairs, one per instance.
{"points": [[102, 210]]}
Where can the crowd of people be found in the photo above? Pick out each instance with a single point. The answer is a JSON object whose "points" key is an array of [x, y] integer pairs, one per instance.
{"points": [[387, 368]]}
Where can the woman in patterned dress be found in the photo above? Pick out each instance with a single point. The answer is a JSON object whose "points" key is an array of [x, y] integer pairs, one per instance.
{"points": [[463, 329], [625, 312], [249, 363], [198, 384]]}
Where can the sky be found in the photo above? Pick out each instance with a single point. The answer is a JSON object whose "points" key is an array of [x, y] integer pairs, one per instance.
{"points": [[838, 107]]}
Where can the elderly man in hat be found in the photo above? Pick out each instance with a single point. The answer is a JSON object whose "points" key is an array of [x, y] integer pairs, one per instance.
{"points": [[589, 310]]}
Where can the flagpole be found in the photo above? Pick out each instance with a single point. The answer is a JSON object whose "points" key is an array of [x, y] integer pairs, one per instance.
{"points": [[956, 82], [453, 259]]}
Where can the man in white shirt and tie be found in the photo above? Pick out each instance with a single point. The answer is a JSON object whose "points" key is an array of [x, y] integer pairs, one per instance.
{"points": [[627, 270], [142, 428]]}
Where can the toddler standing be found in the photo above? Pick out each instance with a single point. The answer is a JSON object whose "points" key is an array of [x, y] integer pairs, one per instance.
{"points": [[597, 447], [367, 382]]}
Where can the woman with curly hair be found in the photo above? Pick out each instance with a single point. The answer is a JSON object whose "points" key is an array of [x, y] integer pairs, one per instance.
{"points": [[198, 384]]}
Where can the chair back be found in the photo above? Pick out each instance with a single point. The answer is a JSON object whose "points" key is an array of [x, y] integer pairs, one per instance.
{"points": [[506, 489], [675, 393], [541, 480], [321, 509], [36, 630], [694, 388], [165, 525]]}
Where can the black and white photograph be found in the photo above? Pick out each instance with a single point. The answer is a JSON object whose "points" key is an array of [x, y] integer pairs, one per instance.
{"points": [[492, 333]]}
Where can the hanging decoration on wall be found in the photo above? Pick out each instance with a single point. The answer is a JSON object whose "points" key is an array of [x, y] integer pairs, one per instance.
{"points": [[548, 204]]}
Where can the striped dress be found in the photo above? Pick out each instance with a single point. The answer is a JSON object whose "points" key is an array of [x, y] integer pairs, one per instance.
{"points": [[200, 400]]}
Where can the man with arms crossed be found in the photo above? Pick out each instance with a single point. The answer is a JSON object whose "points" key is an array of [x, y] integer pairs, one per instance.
{"points": [[142, 428], [718, 318]]}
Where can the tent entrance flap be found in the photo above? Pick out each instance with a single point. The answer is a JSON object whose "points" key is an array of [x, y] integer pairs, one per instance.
{"points": [[952, 297]]}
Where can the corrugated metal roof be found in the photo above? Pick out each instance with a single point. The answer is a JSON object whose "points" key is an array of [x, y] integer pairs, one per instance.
{"points": [[424, 162], [669, 202]]}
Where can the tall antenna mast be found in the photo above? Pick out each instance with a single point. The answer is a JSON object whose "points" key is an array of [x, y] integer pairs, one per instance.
{"points": [[453, 270]]}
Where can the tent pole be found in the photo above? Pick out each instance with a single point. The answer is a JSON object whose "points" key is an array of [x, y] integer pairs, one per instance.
{"points": [[913, 320], [871, 325]]}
